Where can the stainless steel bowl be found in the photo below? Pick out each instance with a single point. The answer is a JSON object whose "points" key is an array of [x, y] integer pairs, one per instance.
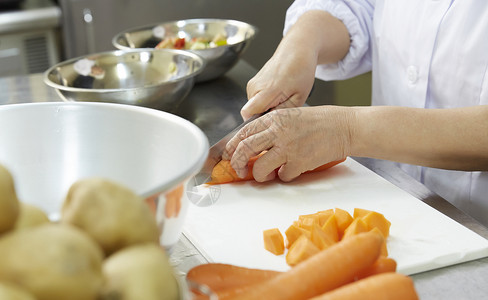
{"points": [[219, 59], [48, 146], [158, 79]]}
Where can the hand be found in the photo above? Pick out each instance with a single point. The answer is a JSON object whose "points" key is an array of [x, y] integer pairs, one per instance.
{"points": [[287, 78], [285, 81], [296, 140]]}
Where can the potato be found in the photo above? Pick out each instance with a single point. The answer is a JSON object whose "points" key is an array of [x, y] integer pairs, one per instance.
{"points": [[10, 291], [139, 272], [30, 216], [111, 213], [52, 261], [9, 204]]}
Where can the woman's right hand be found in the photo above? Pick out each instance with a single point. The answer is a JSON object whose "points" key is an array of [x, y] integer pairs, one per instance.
{"points": [[284, 81], [288, 77]]}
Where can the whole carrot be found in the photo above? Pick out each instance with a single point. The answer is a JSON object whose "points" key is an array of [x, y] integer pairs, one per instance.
{"points": [[325, 271], [382, 265], [220, 277], [224, 173], [385, 286]]}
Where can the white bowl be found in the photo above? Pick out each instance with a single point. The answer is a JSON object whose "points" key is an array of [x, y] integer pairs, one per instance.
{"points": [[48, 146]]}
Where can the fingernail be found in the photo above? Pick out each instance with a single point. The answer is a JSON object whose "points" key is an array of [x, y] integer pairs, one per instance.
{"points": [[244, 110]]}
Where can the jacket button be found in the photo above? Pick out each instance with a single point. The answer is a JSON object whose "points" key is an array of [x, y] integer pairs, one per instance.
{"points": [[412, 74]]}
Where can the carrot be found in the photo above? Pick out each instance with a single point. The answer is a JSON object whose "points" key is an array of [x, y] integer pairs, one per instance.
{"points": [[224, 173], [381, 265], [302, 249], [151, 201], [293, 233], [221, 277], [273, 241], [387, 286], [173, 202], [325, 271]]}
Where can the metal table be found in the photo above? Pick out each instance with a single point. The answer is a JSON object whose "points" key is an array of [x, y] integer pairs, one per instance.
{"points": [[214, 106]]}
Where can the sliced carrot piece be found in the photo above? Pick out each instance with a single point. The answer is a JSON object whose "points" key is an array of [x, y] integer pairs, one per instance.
{"points": [[344, 219], [293, 233], [300, 250], [273, 241], [360, 212], [330, 228], [320, 238], [375, 219], [324, 215], [306, 222], [357, 226]]}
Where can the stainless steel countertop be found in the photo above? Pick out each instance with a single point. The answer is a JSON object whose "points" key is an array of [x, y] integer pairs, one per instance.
{"points": [[214, 107]]}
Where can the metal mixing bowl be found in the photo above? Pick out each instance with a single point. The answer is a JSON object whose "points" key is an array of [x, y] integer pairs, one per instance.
{"points": [[219, 59], [158, 79], [48, 146]]}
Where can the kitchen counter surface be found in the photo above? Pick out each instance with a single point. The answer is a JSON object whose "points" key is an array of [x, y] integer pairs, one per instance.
{"points": [[214, 107]]}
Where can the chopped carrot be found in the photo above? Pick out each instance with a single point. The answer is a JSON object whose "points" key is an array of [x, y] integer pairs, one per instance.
{"points": [[375, 219], [324, 215], [343, 219], [386, 286], [224, 173], [220, 277], [381, 265], [384, 249], [360, 212], [300, 250], [321, 239], [293, 233], [330, 228], [357, 226], [273, 241], [325, 271], [306, 222]]}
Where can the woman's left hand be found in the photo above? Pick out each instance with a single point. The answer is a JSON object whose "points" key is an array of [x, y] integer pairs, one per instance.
{"points": [[296, 140]]}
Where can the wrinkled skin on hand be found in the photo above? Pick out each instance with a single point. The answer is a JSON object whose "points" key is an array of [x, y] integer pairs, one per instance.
{"points": [[284, 81], [297, 140]]}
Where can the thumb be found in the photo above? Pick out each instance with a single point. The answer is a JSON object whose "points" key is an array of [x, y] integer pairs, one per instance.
{"points": [[260, 103]]}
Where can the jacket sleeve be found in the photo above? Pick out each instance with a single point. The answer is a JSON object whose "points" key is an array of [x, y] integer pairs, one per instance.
{"points": [[357, 16]]}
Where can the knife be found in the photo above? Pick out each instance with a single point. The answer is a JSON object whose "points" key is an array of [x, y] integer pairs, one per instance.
{"points": [[215, 153]]}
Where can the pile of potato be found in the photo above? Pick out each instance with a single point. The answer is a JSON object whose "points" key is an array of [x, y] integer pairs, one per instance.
{"points": [[105, 247]]}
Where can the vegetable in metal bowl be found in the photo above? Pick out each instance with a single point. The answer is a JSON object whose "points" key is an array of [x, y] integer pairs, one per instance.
{"points": [[220, 42]]}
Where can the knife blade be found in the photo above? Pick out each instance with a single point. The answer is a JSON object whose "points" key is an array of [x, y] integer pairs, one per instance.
{"points": [[215, 153]]}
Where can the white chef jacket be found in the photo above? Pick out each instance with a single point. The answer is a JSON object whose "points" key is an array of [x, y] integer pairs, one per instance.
{"points": [[422, 53]]}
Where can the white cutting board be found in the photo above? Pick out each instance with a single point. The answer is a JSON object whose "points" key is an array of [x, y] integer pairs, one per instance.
{"points": [[230, 231]]}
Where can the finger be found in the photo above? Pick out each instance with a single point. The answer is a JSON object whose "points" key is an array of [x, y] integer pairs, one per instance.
{"points": [[250, 129], [288, 172], [261, 102], [264, 168], [249, 147], [294, 101]]}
